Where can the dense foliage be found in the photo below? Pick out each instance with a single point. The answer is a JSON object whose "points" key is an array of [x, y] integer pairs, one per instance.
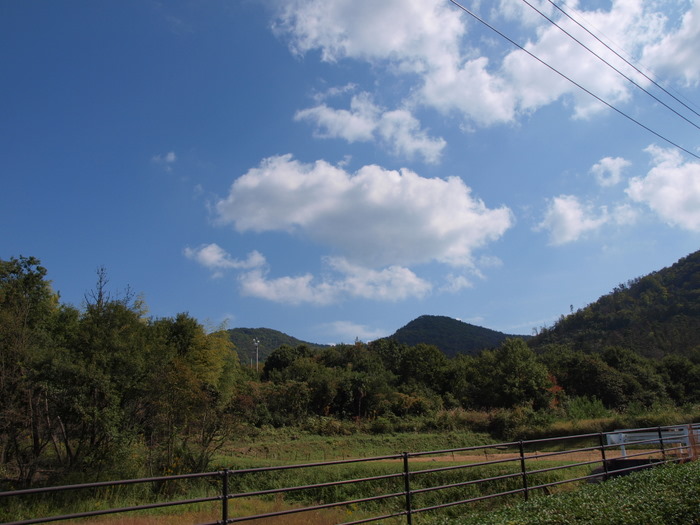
{"points": [[244, 339], [83, 391], [668, 495], [449, 335], [656, 315], [105, 390]]}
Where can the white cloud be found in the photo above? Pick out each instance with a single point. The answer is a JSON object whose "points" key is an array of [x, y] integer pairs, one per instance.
{"points": [[567, 219], [407, 32], [671, 188], [341, 279], [424, 39], [365, 121], [631, 25], [455, 283], [166, 160], [356, 124], [624, 214], [389, 284], [213, 257], [288, 290], [608, 171], [345, 280], [676, 53], [375, 217]]}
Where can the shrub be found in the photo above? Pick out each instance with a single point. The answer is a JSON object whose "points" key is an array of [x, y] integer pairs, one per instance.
{"points": [[585, 407], [668, 494]]}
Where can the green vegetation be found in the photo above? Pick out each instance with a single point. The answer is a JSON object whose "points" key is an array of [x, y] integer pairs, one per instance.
{"points": [[106, 392], [268, 340], [668, 495], [449, 335], [656, 315]]}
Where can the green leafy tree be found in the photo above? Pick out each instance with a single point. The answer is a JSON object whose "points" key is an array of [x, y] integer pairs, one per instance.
{"points": [[192, 383], [510, 376], [26, 306]]}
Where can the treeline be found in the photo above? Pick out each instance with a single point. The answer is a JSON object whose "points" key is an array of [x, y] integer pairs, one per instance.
{"points": [[106, 391], [386, 379]]}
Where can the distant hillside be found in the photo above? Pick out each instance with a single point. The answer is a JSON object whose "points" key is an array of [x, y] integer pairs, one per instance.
{"points": [[449, 335], [654, 315], [269, 340]]}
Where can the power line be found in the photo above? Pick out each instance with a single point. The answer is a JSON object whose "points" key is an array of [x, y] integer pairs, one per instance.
{"points": [[625, 60], [554, 23], [582, 88]]}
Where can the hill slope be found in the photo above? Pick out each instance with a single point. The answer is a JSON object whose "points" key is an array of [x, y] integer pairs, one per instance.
{"points": [[449, 335], [654, 315], [268, 339]]}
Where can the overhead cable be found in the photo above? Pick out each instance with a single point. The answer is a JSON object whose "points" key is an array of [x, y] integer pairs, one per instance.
{"points": [[553, 22], [582, 88], [625, 60]]}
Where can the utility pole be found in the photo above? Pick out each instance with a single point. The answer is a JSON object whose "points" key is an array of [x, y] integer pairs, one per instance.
{"points": [[256, 342]]}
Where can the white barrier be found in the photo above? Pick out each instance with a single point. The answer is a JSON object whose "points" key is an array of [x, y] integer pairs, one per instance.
{"points": [[685, 437]]}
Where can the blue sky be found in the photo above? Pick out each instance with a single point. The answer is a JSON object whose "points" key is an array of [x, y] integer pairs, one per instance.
{"points": [[334, 169]]}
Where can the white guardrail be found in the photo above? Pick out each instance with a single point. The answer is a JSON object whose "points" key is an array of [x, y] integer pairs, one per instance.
{"points": [[685, 437]]}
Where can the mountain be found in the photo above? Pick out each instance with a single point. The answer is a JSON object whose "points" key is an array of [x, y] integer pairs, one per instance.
{"points": [[268, 340], [449, 335], [654, 315]]}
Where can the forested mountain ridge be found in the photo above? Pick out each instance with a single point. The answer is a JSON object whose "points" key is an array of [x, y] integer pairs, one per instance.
{"points": [[449, 335], [654, 315], [268, 340]]}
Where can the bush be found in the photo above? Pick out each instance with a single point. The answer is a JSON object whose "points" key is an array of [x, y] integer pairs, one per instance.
{"points": [[667, 494], [585, 407], [381, 425]]}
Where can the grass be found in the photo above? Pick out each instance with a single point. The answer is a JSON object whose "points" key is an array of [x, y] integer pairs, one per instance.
{"points": [[294, 446], [275, 447]]}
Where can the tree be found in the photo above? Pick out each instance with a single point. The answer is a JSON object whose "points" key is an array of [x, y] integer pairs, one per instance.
{"points": [[585, 375], [26, 305], [510, 376], [192, 382], [283, 357]]}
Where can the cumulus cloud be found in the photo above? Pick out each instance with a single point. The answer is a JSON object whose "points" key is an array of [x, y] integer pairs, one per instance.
{"points": [[373, 217], [455, 283], [425, 39], [671, 188], [214, 257], [365, 121], [567, 219], [631, 24], [347, 281], [342, 280], [408, 32], [608, 171], [675, 54], [356, 124]]}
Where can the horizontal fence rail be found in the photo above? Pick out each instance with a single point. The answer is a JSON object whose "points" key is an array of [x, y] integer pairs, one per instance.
{"points": [[517, 468]]}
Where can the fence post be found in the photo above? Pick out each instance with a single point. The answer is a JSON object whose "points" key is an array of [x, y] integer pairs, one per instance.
{"points": [[661, 443], [224, 494], [523, 470], [407, 488], [602, 453]]}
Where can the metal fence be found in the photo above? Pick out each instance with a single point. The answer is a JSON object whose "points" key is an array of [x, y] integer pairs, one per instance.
{"points": [[483, 473]]}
